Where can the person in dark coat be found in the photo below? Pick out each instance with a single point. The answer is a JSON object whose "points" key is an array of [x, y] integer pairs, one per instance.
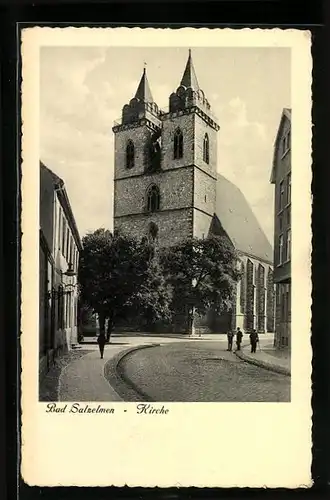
{"points": [[230, 337], [101, 340], [254, 339], [239, 336]]}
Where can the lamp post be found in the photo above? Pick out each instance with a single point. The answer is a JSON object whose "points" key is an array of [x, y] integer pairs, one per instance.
{"points": [[194, 282], [196, 250], [64, 288]]}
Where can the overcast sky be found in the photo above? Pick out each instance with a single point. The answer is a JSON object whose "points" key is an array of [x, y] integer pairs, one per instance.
{"points": [[82, 91]]}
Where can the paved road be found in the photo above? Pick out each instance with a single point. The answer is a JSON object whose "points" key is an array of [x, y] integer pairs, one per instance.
{"points": [[201, 371]]}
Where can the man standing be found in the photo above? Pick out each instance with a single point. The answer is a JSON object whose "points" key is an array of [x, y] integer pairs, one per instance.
{"points": [[101, 340], [239, 336], [230, 337], [254, 339]]}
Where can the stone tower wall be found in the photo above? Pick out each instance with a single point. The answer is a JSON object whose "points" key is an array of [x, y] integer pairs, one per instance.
{"points": [[200, 129], [201, 224], [186, 123], [174, 226], [140, 136], [204, 192], [187, 193], [175, 191]]}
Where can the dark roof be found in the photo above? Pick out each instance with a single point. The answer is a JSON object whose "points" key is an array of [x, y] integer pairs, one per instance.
{"points": [[143, 92], [286, 115], [64, 200], [189, 78], [58, 182], [239, 222]]}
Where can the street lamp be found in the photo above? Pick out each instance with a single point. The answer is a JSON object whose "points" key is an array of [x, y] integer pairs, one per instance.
{"points": [[70, 271], [56, 294], [192, 333]]}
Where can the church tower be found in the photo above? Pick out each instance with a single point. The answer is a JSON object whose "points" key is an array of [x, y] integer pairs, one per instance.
{"points": [[166, 163]]}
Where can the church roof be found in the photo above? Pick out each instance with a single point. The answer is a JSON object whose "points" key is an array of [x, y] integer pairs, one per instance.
{"points": [[143, 92], [239, 222], [189, 78]]}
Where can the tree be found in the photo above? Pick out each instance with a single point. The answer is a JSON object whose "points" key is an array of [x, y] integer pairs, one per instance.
{"points": [[203, 274], [119, 279], [152, 299], [84, 316]]}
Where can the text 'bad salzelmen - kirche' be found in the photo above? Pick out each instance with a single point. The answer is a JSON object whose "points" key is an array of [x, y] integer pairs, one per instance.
{"points": [[166, 178]]}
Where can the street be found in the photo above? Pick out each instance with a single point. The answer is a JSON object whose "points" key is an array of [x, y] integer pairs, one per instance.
{"points": [[201, 371], [170, 369]]}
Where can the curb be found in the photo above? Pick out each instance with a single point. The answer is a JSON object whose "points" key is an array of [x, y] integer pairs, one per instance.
{"points": [[121, 384], [178, 336], [263, 364]]}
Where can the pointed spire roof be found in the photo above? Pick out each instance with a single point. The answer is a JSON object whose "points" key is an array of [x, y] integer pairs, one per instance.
{"points": [[189, 78], [143, 91]]}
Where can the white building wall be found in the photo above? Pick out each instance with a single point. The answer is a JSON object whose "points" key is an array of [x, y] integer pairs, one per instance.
{"points": [[63, 252]]}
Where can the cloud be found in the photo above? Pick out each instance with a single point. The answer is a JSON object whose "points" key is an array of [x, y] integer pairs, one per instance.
{"points": [[76, 115], [238, 109]]}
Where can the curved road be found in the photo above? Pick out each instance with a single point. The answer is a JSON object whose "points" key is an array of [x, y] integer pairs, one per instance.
{"points": [[200, 371]]}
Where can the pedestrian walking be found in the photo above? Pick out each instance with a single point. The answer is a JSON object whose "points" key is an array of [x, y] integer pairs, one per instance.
{"points": [[101, 340], [239, 336], [230, 338], [254, 339]]}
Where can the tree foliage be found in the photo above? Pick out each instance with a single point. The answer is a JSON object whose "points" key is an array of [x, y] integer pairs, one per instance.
{"points": [[120, 277], [203, 274], [151, 300]]}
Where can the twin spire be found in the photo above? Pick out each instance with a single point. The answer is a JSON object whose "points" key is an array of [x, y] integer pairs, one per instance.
{"points": [[143, 92], [189, 79], [187, 96]]}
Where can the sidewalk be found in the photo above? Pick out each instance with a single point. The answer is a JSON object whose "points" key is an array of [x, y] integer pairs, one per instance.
{"points": [[84, 378], [267, 357]]}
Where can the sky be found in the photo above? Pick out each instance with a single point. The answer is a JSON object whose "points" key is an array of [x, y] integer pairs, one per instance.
{"points": [[83, 90]]}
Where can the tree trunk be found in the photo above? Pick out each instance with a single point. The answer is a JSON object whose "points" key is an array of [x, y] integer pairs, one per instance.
{"points": [[109, 329], [110, 326], [102, 323], [191, 326]]}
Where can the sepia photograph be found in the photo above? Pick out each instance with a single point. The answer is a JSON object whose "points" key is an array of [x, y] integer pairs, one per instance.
{"points": [[165, 224], [163, 172]]}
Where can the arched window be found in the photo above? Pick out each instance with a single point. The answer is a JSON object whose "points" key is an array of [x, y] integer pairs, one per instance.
{"points": [[153, 199], [130, 154], [206, 149], [178, 144]]}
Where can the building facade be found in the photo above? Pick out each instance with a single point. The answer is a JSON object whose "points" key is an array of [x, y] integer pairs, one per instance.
{"points": [[281, 178], [167, 186], [60, 245]]}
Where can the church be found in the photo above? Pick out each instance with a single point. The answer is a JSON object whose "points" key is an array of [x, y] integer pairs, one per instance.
{"points": [[166, 184]]}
